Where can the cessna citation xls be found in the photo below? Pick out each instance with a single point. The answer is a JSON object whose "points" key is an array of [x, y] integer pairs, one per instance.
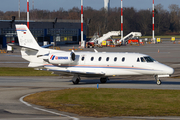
{"points": [[88, 64]]}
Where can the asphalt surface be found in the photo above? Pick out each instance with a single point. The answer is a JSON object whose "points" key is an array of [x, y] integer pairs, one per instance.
{"points": [[13, 88]]}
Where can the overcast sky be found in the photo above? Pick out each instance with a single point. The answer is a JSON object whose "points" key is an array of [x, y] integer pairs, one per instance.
{"points": [[12, 5]]}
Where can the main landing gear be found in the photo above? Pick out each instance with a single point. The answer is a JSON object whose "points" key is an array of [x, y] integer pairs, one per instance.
{"points": [[103, 79], [76, 79], [158, 81]]}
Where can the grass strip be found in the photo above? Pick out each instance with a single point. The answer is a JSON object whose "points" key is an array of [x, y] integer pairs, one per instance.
{"points": [[8, 71], [110, 102]]}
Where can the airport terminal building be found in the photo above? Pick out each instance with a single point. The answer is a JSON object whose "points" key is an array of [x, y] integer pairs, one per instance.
{"points": [[60, 32]]}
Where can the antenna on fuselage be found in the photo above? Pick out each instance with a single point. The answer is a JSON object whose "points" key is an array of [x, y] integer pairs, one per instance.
{"points": [[95, 51]]}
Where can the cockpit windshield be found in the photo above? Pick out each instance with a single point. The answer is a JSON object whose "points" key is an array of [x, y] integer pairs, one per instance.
{"points": [[149, 59]]}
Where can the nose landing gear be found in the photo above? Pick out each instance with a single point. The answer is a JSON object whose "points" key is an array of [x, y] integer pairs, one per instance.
{"points": [[158, 81]]}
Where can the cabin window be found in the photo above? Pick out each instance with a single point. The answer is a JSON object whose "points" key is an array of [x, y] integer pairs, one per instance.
{"points": [[115, 59], [107, 59], [138, 60], [123, 59], [92, 58], [142, 59], [82, 58], [100, 58]]}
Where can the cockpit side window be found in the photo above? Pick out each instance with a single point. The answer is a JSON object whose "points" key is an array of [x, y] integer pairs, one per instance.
{"points": [[138, 60], [142, 59], [149, 59]]}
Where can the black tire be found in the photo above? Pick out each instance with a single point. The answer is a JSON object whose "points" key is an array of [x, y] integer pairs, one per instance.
{"points": [[103, 80], [76, 82], [158, 82]]}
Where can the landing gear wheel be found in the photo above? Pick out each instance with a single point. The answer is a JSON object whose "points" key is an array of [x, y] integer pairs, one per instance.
{"points": [[103, 80], [158, 82], [76, 81]]}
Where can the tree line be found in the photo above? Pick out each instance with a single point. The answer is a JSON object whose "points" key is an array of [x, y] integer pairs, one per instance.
{"points": [[166, 21]]}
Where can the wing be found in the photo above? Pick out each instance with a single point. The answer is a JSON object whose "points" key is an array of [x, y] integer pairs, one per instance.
{"points": [[84, 73]]}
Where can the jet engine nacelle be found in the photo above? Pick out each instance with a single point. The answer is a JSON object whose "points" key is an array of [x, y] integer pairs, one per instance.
{"points": [[61, 58]]}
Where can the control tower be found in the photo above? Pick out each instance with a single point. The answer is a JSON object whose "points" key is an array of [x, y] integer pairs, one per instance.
{"points": [[106, 5]]}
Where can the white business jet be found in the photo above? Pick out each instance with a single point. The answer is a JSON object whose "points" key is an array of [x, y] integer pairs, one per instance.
{"points": [[88, 64]]}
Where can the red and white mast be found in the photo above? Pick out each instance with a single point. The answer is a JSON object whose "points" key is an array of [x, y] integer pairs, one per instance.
{"points": [[82, 41], [153, 21], [19, 10], [33, 5], [122, 21], [28, 13]]}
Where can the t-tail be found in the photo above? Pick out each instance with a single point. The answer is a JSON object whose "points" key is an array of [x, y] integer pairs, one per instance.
{"points": [[30, 50], [25, 37]]}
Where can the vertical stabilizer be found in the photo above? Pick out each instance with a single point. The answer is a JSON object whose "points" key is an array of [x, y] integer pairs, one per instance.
{"points": [[25, 37]]}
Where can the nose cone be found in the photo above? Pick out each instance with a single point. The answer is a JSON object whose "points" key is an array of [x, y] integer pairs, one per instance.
{"points": [[166, 69], [163, 69], [169, 70]]}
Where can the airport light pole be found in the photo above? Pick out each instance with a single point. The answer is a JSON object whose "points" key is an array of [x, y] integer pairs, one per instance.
{"points": [[153, 22], [33, 5], [123, 42], [82, 41], [19, 11], [28, 13]]}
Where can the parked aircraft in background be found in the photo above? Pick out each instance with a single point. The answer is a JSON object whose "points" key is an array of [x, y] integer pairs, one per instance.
{"points": [[88, 64]]}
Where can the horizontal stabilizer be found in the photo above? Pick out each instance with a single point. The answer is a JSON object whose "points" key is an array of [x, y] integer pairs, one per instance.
{"points": [[46, 46], [35, 65], [16, 46]]}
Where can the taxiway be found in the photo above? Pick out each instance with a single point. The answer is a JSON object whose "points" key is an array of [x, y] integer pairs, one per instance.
{"points": [[13, 88]]}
